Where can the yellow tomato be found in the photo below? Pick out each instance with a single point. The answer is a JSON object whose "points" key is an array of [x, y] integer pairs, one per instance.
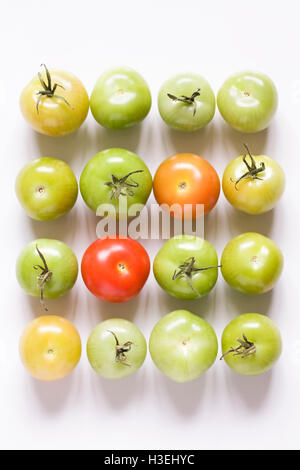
{"points": [[50, 347], [54, 103], [253, 184]]}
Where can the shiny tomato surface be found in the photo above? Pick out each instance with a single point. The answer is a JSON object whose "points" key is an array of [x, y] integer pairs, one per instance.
{"points": [[50, 347], [186, 178], [59, 113], [115, 269]]}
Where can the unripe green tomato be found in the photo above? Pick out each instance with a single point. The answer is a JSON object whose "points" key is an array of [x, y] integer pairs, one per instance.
{"points": [[101, 180], [251, 344], [254, 194], [183, 346], [59, 270], [120, 98], [247, 101], [251, 263], [186, 102], [186, 267], [54, 102], [116, 348], [46, 188]]}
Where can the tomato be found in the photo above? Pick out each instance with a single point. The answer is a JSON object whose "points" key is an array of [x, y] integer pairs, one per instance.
{"points": [[54, 103], [46, 268], [248, 101], [186, 178], [50, 347], [120, 98], [186, 267], [183, 346], [115, 269], [114, 175], [186, 102], [46, 188], [116, 348], [253, 183], [251, 344], [251, 263]]}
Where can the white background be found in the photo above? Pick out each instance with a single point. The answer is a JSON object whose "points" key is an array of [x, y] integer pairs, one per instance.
{"points": [[214, 38]]}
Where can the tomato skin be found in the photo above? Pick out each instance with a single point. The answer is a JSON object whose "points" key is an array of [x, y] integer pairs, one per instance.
{"points": [[101, 348], [258, 329], [50, 347], [121, 98], [55, 118], [183, 346], [61, 261], [179, 115], [247, 101], [46, 188], [253, 196], [251, 263], [115, 268], [175, 252], [186, 178], [119, 162]]}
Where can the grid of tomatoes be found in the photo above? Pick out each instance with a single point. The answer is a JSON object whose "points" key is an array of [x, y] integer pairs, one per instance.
{"points": [[115, 269]]}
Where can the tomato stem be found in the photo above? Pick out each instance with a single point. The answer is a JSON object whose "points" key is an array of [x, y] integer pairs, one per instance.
{"points": [[121, 186], [121, 349], [253, 170], [245, 349], [187, 99], [48, 90], [187, 270], [44, 276]]}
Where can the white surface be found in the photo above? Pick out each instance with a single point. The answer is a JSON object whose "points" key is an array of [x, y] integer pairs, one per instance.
{"points": [[215, 38]]}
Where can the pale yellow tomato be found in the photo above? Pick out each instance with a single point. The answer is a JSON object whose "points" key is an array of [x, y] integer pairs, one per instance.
{"points": [[50, 347], [253, 183], [54, 103]]}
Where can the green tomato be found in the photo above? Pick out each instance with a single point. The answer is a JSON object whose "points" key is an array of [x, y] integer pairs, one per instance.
{"points": [[253, 183], [186, 267], [120, 99], [46, 268], [114, 175], [186, 102], [251, 263], [251, 344], [54, 102], [183, 346], [248, 101], [46, 188], [116, 348]]}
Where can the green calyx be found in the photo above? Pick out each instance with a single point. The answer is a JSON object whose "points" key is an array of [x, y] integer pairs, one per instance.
{"points": [[252, 169], [49, 90], [245, 349], [122, 186], [44, 276], [121, 350], [190, 100], [187, 270]]}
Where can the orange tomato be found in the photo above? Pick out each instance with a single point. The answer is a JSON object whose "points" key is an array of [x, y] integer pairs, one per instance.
{"points": [[186, 178], [50, 347]]}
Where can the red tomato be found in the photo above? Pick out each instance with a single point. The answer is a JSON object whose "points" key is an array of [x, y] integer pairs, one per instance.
{"points": [[115, 269], [186, 178]]}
